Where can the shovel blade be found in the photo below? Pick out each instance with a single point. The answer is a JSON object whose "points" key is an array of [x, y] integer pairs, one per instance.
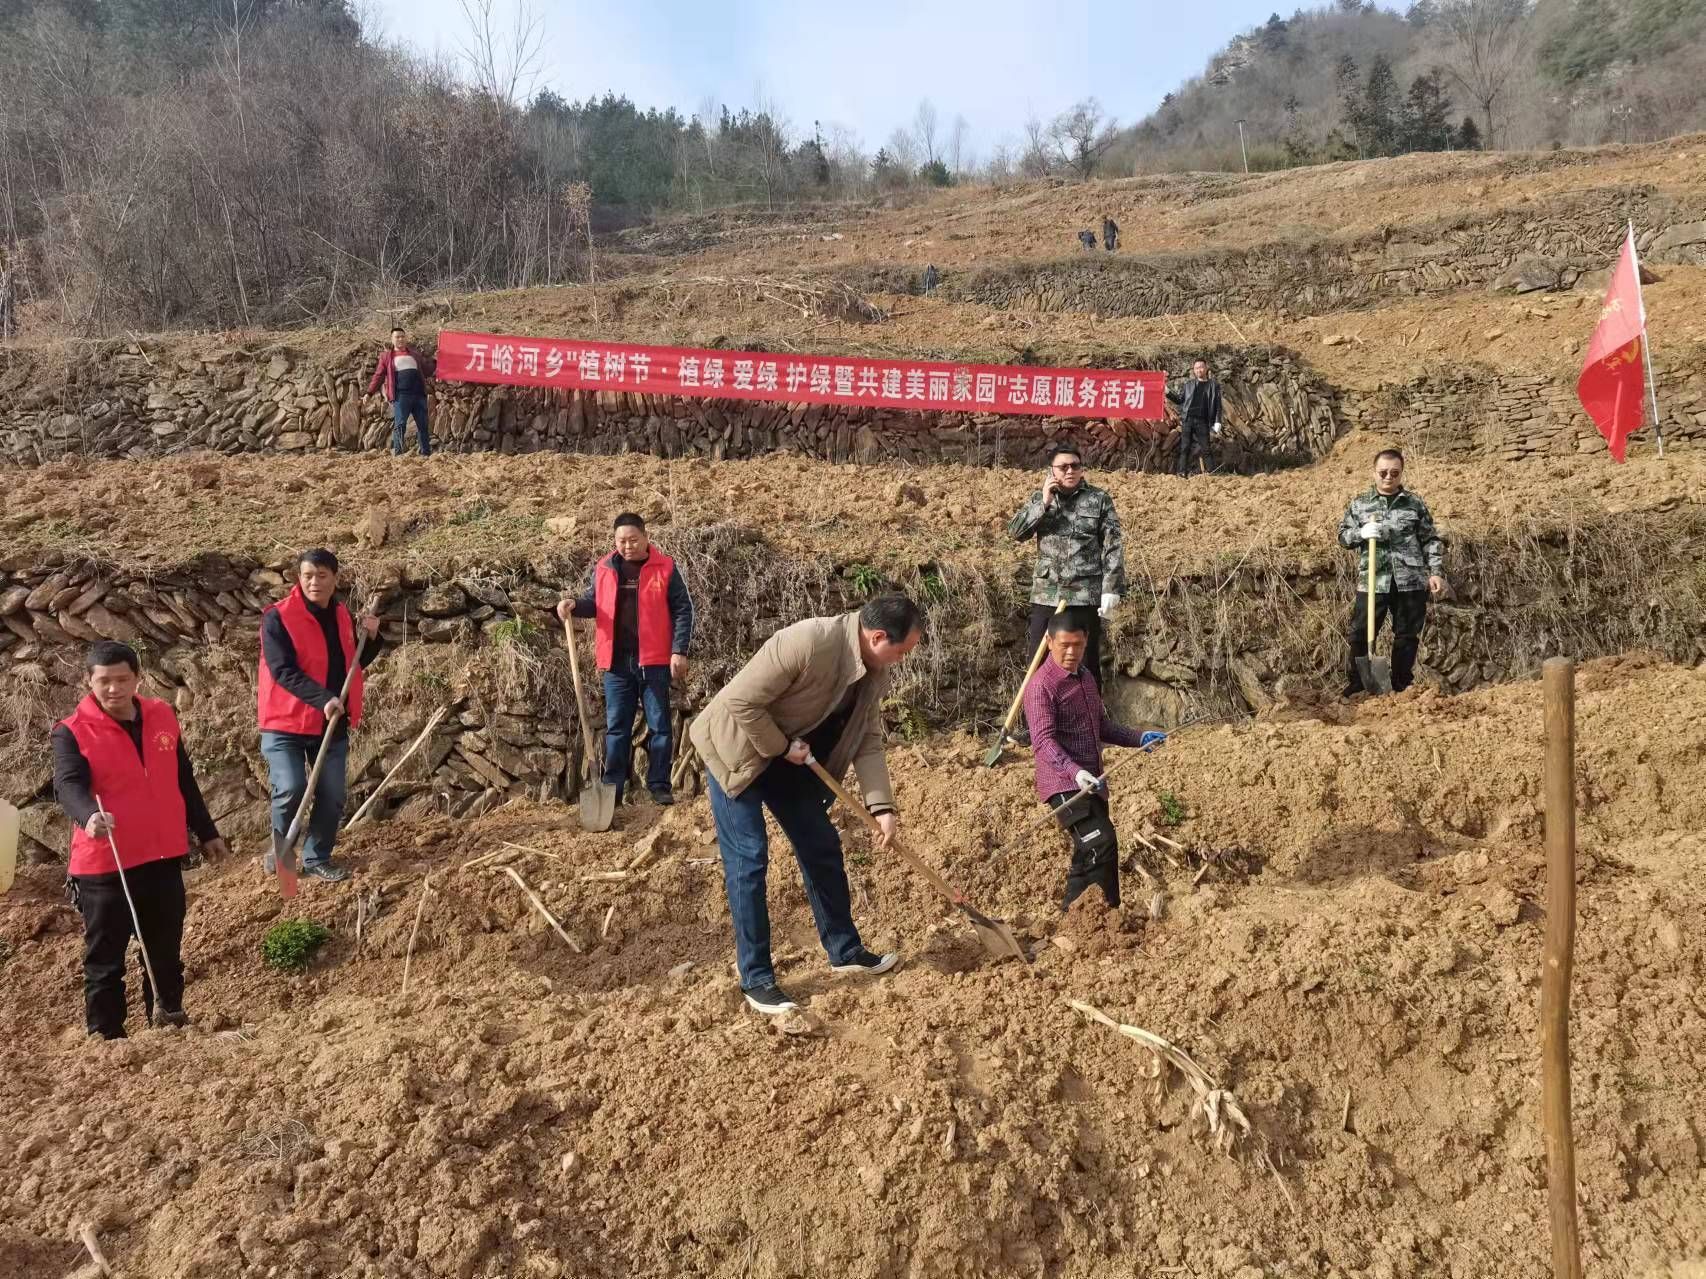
{"points": [[1375, 674], [282, 862], [992, 757], [996, 937], [598, 806]]}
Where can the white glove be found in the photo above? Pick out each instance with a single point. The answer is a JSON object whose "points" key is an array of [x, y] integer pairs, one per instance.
{"points": [[1087, 780], [1371, 529], [1109, 604], [1216, 430]]}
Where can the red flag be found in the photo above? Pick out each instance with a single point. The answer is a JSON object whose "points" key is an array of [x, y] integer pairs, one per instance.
{"points": [[1611, 386]]}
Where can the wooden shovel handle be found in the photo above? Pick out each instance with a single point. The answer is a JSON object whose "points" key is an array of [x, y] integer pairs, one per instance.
{"points": [[941, 885], [326, 737], [1036, 661], [1373, 549], [580, 697]]}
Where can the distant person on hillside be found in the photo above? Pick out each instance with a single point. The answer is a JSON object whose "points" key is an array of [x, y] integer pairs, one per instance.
{"points": [[644, 624], [1110, 234], [308, 640], [1080, 551], [814, 691], [1087, 241], [403, 374], [1199, 417], [123, 777], [932, 278], [1069, 723], [1409, 567]]}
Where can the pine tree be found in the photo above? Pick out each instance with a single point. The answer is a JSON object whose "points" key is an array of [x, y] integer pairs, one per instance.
{"points": [[1379, 125], [1427, 112], [1350, 97], [1468, 135]]}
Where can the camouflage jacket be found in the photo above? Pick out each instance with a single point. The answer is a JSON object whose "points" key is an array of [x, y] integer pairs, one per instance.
{"points": [[1080, 550], [1410, 549]]}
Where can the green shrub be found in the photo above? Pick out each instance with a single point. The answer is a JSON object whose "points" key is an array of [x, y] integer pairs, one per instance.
{"points": [[865, 578], [290, 944], [1172, 808]]}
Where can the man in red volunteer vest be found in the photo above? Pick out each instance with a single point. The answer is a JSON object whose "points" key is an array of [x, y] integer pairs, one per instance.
{"points": [[644, 624], [308, 642], [128, 751]]}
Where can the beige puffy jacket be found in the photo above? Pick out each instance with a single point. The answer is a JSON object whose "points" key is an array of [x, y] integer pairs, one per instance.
{"points": [[790, 686]]}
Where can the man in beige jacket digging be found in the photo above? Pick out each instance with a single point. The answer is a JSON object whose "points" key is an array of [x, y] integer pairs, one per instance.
{"points": [[814, 691]]}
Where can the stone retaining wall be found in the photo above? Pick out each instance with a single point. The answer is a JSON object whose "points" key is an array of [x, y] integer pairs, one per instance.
{"points": [[1537, 245], [158, 397]]}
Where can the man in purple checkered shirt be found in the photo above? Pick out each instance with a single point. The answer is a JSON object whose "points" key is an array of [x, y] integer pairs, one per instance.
{"points": [[1063, 707]]}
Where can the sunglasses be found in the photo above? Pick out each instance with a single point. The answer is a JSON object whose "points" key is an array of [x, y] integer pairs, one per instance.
{"points": [[1069, 466], [1389, 475]]}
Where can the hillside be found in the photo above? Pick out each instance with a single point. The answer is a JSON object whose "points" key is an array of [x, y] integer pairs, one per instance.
{"points": [[1353, 79], [1332, 908]]}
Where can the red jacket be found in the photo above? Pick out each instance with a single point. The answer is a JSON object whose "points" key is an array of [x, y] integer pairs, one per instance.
{"points": [[386, 371], [651, 610], [149, 820], [280, 711]]}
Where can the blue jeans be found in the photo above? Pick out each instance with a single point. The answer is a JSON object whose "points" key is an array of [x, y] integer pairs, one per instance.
{"points": [[402, 409], [800, 804], [289, 758], [625, 685]]}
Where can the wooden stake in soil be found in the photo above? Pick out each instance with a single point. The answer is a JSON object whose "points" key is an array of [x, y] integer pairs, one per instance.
{"points": [[361, 813], [1559, 678], [409, 955], [540, 907]]}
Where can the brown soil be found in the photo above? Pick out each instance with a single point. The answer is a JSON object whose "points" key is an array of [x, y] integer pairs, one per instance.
{"points": [[464, 509], [1368, 933]]}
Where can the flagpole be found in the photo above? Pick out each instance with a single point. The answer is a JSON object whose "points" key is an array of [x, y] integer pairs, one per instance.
{"points": [[1646, 347]]}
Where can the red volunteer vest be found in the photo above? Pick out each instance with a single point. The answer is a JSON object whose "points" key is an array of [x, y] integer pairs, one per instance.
{"points": [[652, 610], [141, 793], [279, 711]]}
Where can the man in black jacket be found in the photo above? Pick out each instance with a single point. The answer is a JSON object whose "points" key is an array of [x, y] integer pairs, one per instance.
{"points": [[1199, 416]]}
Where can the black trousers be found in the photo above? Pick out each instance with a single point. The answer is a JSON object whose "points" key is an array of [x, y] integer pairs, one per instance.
{"points": [[1409, 610], [1095, 847], [158, 890], [1193, 444], [1087, 616]]}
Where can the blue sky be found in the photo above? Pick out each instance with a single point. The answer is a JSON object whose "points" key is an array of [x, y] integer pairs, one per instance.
{"points": [[865, 65]]}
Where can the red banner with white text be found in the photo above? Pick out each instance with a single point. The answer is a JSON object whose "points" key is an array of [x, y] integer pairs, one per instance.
{"points": [[916, 385]]}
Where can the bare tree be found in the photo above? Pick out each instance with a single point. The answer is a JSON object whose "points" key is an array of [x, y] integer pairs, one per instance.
{"points": [[1034, 160], [902, 147], [924, 126], [772, 144], [503, 58], [1486, 44], [1082, 136], [577, 203], [958, 161]]}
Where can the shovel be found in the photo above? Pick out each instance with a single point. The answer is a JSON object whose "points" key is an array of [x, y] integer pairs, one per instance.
{"points": [[997, 937], [1373, 673], [282, 858], [1005, 737], [598, 797]]}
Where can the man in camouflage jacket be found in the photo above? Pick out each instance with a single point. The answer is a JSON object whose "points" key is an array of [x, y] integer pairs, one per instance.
{"points": [[1080, 551], [1409, 566]]}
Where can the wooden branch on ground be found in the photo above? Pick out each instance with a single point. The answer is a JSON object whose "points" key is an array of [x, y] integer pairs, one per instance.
{"points": [[538, 905], [361, 813]]}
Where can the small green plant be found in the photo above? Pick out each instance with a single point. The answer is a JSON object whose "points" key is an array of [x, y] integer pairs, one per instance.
{"points": [[290, 944], [478, 513], [864, 577], [1172, 808], [908, 719], [513, 630], [931, 586]]}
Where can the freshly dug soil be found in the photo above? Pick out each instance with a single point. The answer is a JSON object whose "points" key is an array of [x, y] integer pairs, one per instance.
{"points": [[1358, 964]]}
